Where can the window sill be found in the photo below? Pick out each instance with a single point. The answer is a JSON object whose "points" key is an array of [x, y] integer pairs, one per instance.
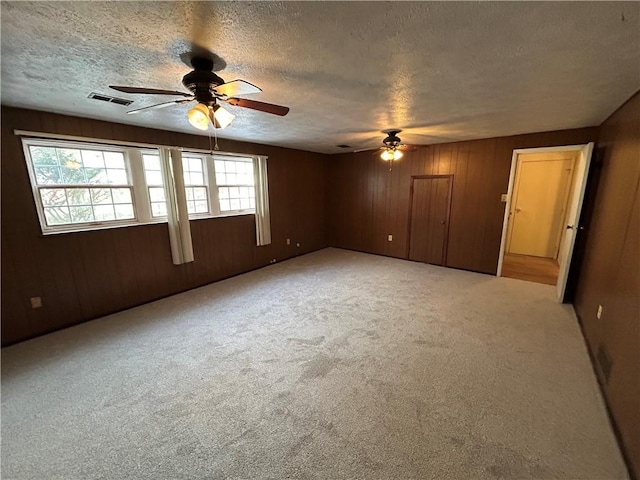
{"points": [[109, 226]]}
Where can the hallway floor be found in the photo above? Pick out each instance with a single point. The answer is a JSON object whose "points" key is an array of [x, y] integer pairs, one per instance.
{"points": [[531, 269]]}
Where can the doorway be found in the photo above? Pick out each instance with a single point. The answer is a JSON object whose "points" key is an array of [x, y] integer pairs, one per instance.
{"points": [[429, 212], [544, 201]]}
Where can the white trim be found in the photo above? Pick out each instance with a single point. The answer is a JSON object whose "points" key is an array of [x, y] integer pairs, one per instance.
{"points": [[512, 174], [507, 209], [121, 143]]}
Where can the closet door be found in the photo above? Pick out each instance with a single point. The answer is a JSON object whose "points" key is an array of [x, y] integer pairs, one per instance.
{"points": [[430, 207]]}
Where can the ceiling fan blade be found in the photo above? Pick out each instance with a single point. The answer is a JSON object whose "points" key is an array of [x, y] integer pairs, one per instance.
{"points": [[149, 91], [263, 107], [367, 149], [160, 105], [407, 148], [236, 87]]}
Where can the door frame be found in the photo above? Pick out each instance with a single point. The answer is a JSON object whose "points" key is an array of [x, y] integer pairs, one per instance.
{"points": [[446, 232], [512, 174]]}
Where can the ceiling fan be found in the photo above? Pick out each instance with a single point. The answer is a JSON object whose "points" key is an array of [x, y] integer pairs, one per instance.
{"points": [[392, 147], [207, 89]]}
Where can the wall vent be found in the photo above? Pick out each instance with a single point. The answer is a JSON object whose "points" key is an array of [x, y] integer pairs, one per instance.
{"points": [[343, 146], [604, 362], [109, 99]]}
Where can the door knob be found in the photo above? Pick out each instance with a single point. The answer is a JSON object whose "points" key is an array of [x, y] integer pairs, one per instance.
{"points": [[569, 227], [442, 222], [518, 210]]}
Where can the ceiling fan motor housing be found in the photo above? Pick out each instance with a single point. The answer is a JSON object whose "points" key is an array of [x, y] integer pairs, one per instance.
{"points": [[392, 139], [201, 81]]}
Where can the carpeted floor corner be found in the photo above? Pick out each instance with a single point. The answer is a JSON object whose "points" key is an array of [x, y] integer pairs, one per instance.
{"points": [[334, 365]]}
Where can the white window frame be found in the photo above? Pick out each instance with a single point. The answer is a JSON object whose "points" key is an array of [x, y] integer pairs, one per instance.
{"points": [[213, 181], [72, 227], [138, 186]]}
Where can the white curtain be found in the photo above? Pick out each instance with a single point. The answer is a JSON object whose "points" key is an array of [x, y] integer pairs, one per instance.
{"points": [[263, 219], [177, 214]]}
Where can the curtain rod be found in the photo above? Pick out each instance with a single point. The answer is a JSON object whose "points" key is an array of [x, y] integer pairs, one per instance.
{"points": [[123, 143]]}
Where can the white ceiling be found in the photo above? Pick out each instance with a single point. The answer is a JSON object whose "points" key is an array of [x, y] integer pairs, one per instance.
{"points": [[442, 71]]}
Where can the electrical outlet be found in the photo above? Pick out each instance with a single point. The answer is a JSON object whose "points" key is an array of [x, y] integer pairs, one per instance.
{"points": [[288, 241], [273, 260], [599, 314], [503, 198], [389, 238], [36, 302]]}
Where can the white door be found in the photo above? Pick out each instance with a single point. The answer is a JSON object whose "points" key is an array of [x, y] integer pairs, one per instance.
{"points": [[573, 216], [539, 202]]}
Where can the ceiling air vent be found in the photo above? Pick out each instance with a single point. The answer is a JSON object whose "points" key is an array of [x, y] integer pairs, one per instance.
{"points": [[343, 146], [107, 98]]}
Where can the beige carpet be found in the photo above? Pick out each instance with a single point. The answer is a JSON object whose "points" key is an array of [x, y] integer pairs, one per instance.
{"points": [[335, 365]]}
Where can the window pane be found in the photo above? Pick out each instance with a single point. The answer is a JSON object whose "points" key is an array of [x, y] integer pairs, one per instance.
{"points": [[219, 166], [68, 157], [252, 203], [121, 195], [151, 162], [234, 192], [124, 211], [91, 158], [104, 212], [195, 164], [78, 196], [232, 179], [72, 174], [81, 214], [223, 192], [156, 194], [114, 160], [234, 204], [197, 178], [53, 197], [158, 209], [96, 175], [47, 175], [230, 166], [244, 203], [224, 205], [201, 207], [117, 177], [43, 156], [200, 193], [189, 192], [153, 177], [100, 195], [56, 215]]}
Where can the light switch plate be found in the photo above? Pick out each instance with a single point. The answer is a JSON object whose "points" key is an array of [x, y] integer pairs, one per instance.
{"points": [[503, 198]]}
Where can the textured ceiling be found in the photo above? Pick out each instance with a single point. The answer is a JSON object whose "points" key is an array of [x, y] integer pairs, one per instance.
{"points": [[441, 71]]}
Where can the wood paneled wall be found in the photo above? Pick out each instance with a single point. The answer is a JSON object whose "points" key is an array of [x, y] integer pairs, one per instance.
{"points": [[368, 202], [610, 272], [85, 275]]}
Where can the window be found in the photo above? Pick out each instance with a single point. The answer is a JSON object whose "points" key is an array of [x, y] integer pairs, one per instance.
{"points": [[84, 186], [81, 185], [234, 178], [195, 185]]}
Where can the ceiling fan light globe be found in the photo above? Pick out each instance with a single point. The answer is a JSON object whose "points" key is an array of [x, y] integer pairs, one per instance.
{"points": [[386, 155], [397, 154], [199, 116], [223, 118]]}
